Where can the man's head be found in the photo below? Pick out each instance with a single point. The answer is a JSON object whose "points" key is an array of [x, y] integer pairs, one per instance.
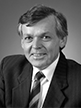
{"points": [[44, 33]]}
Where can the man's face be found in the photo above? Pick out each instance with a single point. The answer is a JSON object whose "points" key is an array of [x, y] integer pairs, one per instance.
{"points": [[40, 42]]}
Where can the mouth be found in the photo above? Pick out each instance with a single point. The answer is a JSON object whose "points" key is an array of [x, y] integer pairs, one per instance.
{"points": [[38, 56]]}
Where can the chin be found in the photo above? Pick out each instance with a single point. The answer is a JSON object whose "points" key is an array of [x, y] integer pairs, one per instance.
{"points": [[38, 65]]}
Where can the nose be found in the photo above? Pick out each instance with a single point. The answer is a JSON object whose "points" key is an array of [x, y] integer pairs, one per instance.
{"points": [[36, 43]]}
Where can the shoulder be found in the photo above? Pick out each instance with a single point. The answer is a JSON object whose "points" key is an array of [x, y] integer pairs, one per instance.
{"points": [[13, 58], [13, 66], [13, 61], [74, 70], [73, 64]]}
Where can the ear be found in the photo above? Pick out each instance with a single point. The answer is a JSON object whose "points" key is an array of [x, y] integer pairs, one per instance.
{"points": [[63, 42], [22, 43]]}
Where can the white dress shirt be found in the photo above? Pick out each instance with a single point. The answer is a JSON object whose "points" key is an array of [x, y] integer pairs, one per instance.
{"points": [[48, 72]]}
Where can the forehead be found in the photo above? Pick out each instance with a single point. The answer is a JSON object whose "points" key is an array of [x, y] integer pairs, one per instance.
{"points": [[45, 25]]}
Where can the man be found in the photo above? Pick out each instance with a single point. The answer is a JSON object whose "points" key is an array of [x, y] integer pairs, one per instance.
{"points": [[43, 33]]}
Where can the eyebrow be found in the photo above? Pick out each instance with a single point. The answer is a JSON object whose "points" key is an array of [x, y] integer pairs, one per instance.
{"points": [[42, 34]]}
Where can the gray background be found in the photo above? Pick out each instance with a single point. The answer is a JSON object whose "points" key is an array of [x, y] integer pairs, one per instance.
{"points": [[11, 10]]}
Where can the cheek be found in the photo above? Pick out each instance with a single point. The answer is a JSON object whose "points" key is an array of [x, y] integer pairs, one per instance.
{"points": [[50, 48], [53, 50], [26, 48]]}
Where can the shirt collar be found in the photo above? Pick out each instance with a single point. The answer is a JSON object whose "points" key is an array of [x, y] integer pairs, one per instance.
{"points": [[48, 72]]}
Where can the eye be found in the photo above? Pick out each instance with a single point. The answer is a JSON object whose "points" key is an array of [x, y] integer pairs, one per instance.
{"points": [[46, 38], [28, 39]]}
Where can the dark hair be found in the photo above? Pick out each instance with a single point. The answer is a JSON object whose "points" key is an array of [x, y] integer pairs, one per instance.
{"points": [[40, 12]]}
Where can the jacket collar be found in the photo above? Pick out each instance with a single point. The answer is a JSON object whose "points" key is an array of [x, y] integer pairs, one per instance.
{"points": [[26, 72], [61, 72]]}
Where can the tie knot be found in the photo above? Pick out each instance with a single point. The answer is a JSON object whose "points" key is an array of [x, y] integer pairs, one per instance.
{"points": [[39, 75]]}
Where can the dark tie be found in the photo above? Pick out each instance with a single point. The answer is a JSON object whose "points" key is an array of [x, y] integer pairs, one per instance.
{"points": [[35, 94]]}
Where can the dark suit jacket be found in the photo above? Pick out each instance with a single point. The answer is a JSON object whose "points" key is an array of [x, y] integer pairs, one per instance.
{"points": [[15, 82]]}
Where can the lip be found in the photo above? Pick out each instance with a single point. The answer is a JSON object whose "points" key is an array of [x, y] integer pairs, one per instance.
{"points": [[37, 56]]}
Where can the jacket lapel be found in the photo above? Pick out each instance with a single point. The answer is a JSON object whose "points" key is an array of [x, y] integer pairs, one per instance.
{"points": [[56, 96], [20, 93]]}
